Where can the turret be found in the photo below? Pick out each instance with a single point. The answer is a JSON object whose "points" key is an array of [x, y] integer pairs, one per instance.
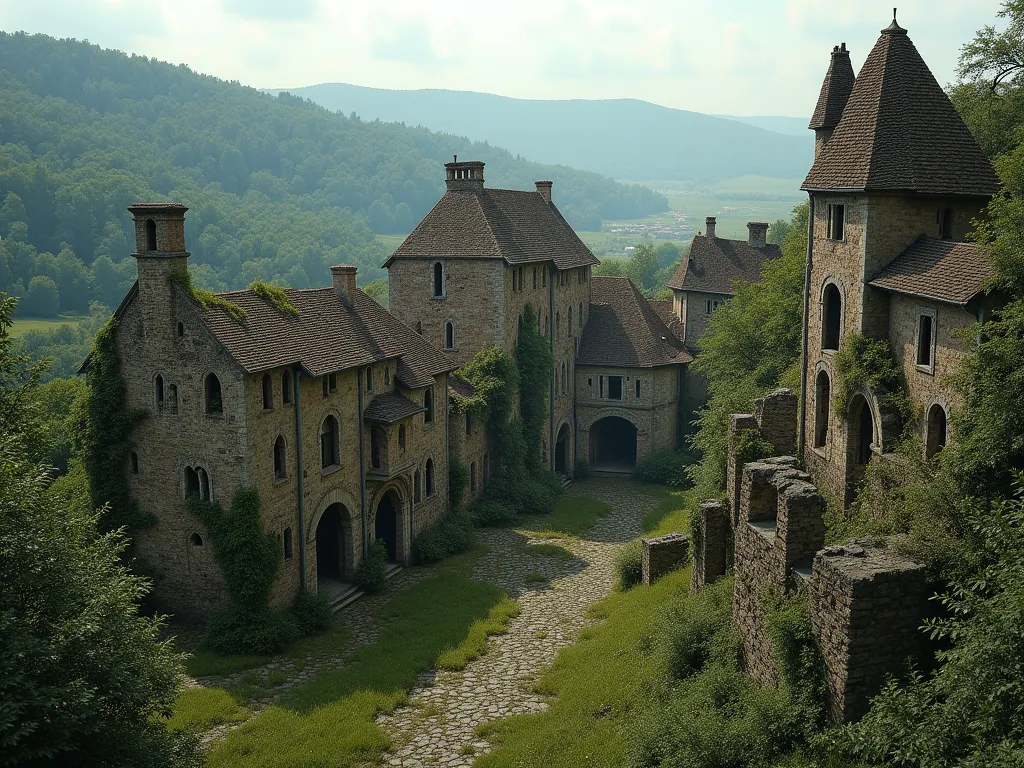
{"points": [[835, 92], [159, 255]]}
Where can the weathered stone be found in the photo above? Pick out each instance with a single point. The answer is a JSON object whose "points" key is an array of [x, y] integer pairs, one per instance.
{"points": [[712, 540], [663, 554]]}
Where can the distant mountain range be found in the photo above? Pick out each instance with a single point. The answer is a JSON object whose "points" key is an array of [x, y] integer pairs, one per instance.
{"points": [[627, 139]]}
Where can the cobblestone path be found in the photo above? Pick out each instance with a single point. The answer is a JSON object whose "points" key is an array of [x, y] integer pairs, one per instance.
{"points": [[437, 727]]}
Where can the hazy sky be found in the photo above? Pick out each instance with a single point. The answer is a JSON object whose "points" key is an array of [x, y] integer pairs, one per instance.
{"points": [[744, 57]]}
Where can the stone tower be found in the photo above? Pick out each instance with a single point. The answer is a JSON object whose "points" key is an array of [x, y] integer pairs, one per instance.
{"points": [[159, 253], [893, 161]]}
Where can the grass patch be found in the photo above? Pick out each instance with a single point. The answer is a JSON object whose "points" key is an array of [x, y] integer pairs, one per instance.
{"points": [[571, 517], [204, 663], [199, 709], [548, 550], [596, 682], [330, 719], [474, 645], [672, 513], [535, 578], [21, 326]]}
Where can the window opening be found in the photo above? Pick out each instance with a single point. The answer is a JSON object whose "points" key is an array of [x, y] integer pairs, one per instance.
{"points": [[191, 482], [195, 541], [429, 478], [150, 235], [159, 383], [636, 387], [286, 388], [135, 463], [614, 387], [204, 484], [428, 403], [947, 224], [369, 378], [833, 316], [924, 340], [936, 439], [822, 399], [544, 278], [287, 543], [401, 437], [449, 335], [214, 400], [280, 466], [268, 393], [836, 221], [181, 330], [535, 277], [329, 448], [438, 280]]}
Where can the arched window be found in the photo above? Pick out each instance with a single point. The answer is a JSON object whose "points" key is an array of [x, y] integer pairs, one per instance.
{"points": [[204, 484], [158, 385], [428, 403], [401, 437], [562, 388], [438, 287], [287, 543], [832, 317], [150, 235], [195, 541], [469, 423], [329, 448], [581, 317], [864, 434], [936, 438], [280, 467], [472, 476], [181, 330], [214, 401], [416, 487], [449, 335], [172, 397], [429, 473], [286, 388], [191, 482], [568, 314], [135, 463], [534, 277], [268, 393], [822, 397]]}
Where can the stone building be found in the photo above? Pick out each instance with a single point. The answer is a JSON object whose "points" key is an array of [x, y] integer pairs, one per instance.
{"points": [[630, 372], [709, 271], [465, 274], [896, 181], [332, 409]]}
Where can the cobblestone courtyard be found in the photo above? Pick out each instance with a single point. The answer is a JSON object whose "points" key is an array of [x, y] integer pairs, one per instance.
{"points": [[437, 727]]}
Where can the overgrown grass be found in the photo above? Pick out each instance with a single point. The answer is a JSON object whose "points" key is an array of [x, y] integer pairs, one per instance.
{"points": [[199, 709], [596, 681], [534, 577], [203, 663], [572, 517], [672, 514], [548, 550], [474, 644], [330, 719]]}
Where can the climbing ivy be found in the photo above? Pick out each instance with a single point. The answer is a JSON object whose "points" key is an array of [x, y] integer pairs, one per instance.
{"points": [[249, 560], [862, 362], [274, 296], [748, 445], [106, 441], [535, 365], [204, 298]]}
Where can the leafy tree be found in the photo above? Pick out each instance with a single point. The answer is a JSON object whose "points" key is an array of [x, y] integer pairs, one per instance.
{"points": [[778, 231], [643, 266], [42, 298], [84, 679]]}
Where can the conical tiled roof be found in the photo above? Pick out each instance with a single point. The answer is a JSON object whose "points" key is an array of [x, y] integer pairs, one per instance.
{"points": [[899, 131], [835, 91]]}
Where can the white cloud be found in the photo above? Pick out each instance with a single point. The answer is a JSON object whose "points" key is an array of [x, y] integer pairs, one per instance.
{"points": [[719, 56]]}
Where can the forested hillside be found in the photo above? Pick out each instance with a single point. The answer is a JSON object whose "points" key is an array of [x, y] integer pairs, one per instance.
{"points": [[278, 187], [623, 138]]}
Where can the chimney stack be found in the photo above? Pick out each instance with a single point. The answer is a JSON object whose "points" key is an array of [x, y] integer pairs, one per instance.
{"points": [[544, 190], [465, 176], [757, 234], [709, 225], [344, 279], [159, 254]]}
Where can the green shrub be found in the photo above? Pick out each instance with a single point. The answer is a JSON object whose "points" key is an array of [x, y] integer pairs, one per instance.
{"points": [[492, 513], [249, 630], [581, 469], [699, 630], [458, 476], [666, 468], [449, 536], [372, 571], [311, 613], [629, 565]]}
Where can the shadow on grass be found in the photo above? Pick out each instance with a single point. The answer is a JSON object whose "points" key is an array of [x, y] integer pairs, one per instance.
{"points": [[330, 719]]}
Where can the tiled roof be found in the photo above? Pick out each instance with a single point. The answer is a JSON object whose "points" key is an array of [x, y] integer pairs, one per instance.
{"points": [[623, 330], [835, 90], [712, 265], [899, 131], [460, 387], [495, 223], [944, 270], [389, 407], [665, 310], [328, 335]]}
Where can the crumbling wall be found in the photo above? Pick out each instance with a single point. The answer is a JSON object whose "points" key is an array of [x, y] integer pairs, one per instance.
{"points": [[662, 554], [711, 544]]}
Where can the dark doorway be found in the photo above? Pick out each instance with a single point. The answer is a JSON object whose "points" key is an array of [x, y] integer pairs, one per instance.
{"points": [[385, 525], [562, 449], [613, 444], [936, 430], [330, 544], [865, 435]]}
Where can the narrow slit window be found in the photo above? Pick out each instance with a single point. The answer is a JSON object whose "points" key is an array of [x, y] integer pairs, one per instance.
{"points": [[836, 221], [925, 338]]}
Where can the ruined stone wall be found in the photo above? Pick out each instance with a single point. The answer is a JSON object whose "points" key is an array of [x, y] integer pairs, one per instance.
{"points": [[711, 544]]}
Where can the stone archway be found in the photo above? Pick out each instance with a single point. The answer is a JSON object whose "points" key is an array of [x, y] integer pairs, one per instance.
{"points": [[861, 436], [613, 442], [562, 449], [333, 542], [387, 524]]}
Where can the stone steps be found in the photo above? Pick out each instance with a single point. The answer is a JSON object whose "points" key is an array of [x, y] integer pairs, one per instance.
{"points": [[564, 481], [351, 592]]}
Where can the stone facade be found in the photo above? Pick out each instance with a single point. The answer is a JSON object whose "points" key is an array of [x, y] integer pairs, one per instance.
{"points": [[694, 309], [662, 555], [468, 445], [711, 554]]}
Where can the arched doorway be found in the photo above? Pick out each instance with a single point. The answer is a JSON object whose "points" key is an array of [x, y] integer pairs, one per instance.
{"points": [[330, 544], [613, 444], [937, 428], [386, 524], [860, 436], [562, 449]]}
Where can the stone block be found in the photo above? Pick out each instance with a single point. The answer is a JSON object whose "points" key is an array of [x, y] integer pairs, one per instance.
{"points": [[776, 415], [663, 554], [711, 544]]}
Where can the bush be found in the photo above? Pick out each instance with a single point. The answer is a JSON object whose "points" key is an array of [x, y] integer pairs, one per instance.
{"points": [[629, 564], [373, 570], [491, 513], [245, 630], [581, 470], [458, 476], [699, 630], [449, 536], [666, 468], [311, 613]]}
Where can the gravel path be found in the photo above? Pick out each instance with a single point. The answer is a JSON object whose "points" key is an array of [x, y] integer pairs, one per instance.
{"points": [[437, 728]]}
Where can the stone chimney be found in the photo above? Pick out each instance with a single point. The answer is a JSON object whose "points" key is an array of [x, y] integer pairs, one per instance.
{"points": [[466, 176], [709, 225], [343, 277], [544, 190], [757, 234], [159, 254]]}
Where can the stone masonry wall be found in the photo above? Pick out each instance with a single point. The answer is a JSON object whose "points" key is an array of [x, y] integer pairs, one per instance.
{"points": [[471, 449], [693, 313], [710, 553], [661, 555]]}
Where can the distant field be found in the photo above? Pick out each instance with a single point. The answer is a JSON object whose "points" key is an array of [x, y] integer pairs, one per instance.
{"points": [[23, 325], [391, 241], [732, 215], [750, 184]]}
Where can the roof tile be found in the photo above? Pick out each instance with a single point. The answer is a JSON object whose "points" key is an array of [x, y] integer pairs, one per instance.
{"points": [[713, 265], [943, 270]]}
